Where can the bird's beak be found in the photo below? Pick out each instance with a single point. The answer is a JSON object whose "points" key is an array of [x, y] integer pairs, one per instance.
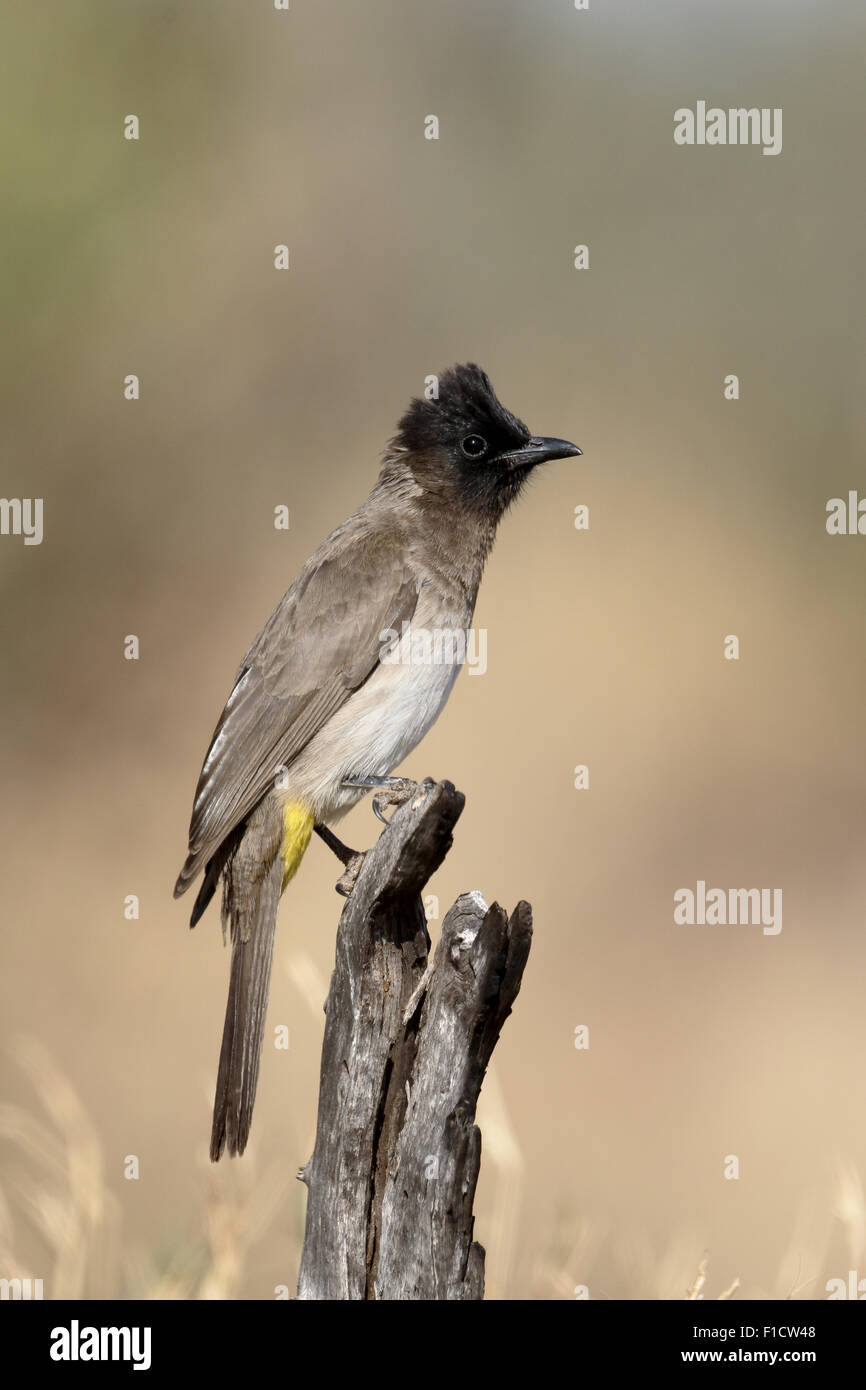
{"points": [[540, 451]]}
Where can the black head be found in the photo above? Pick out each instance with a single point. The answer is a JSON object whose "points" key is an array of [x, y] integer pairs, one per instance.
{"points": [[466, 444]]}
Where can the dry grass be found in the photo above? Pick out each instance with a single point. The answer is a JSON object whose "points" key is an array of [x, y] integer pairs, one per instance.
{"points": [[56, 1191], [56, 1187]]}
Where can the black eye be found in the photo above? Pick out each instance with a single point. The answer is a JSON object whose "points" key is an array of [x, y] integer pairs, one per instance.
{"points": [[474, 446]]}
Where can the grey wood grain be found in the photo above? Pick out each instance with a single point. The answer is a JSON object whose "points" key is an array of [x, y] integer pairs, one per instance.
{"points": [[407, 1042]]}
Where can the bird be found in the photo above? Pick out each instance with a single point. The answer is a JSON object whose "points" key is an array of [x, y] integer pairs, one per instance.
{"points": [[326, 703]]}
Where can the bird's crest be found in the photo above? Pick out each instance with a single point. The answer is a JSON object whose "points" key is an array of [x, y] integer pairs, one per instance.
{"points": [[466, 401]]}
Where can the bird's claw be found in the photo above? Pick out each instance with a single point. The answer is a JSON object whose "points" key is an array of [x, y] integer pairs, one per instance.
{"points": [[390, 791], [349, 877]]}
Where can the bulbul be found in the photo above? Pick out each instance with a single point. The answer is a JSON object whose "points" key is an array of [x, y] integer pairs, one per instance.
{"points": [[327, 702]]}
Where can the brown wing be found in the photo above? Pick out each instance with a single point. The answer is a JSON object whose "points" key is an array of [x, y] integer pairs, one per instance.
{"points": [[319, 645]]}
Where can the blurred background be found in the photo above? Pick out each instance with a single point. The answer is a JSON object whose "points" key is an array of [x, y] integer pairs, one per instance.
{"points": [[604, 1167]]}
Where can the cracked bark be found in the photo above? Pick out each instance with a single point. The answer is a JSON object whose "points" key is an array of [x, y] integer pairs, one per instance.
{"points": [[407, 1042]]}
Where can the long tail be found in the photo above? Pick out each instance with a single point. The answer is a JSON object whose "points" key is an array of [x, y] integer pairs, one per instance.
{"points": [[259, 867]]}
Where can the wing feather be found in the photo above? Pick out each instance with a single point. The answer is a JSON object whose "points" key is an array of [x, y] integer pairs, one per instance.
{"points": [[320, 644]]}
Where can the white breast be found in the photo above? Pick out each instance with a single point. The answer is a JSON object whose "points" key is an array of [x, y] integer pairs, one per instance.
{"points": [[378, 726]]}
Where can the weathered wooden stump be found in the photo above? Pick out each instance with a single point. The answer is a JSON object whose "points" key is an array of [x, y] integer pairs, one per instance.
{"points": [[407, 1042]]}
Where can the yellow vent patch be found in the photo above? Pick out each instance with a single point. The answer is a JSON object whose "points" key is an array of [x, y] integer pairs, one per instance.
{"points": [[298, 826]]}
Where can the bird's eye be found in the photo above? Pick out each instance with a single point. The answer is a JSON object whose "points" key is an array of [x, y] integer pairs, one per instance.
{"points": [[474, 446]]}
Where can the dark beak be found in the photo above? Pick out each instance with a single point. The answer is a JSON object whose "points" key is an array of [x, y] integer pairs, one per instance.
{"points": [[540, 451]]}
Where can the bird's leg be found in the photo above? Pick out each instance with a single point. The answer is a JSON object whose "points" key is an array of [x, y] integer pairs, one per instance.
{"points": [[390, 791], [351, 858], [343, 853]]}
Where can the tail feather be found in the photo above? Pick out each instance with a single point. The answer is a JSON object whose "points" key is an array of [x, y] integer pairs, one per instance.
{"points": [[252, 884], [255, 868], [254, 924]]}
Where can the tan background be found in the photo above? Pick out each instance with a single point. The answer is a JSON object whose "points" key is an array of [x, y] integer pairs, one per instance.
{"points": [[707, 517]]}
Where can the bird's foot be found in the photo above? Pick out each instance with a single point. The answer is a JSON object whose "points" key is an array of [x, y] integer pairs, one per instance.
{"points": [[390, 791], [351, 858], [349, 877]]}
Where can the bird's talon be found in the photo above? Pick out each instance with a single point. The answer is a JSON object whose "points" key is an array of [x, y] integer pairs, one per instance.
{"points": [[347, 880], [390, 791]]}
